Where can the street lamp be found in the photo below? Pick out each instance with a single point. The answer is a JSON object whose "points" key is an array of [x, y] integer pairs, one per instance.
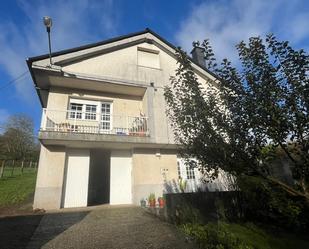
{"points": [[48, 23]]}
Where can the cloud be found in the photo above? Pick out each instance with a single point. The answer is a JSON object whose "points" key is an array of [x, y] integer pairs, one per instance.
{"points": [[74, 23], [226, 23]]}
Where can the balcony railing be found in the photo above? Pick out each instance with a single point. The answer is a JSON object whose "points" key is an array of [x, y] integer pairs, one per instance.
{"points": [[95, 123]]}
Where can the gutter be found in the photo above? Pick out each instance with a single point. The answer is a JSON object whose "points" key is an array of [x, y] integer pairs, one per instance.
{"points": [[29, 64]]}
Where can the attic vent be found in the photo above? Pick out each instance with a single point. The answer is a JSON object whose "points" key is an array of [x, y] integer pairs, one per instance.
{"points": [[148, 57]]}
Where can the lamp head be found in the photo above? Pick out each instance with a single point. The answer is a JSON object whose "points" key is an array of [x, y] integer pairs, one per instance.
{"points": [[47, 22]]}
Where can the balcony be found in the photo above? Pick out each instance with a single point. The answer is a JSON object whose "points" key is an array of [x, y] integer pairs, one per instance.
{"points": [[93, 123]]}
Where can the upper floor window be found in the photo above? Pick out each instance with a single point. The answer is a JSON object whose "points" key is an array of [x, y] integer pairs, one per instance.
{"points": [[148, 57], [76, 111], [84, 109], [91, 112], [106, 116]]}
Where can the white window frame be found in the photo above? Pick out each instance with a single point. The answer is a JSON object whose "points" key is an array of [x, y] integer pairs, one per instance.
{"points": [[111, 115], [97, 103], [183, 169], [90, 113], [84, 102], [190, 173], [75, 112], [144, 51]]}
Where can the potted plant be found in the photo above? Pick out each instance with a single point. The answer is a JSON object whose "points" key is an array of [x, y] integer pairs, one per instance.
{"points": [[152, 200], [161, 202], [182, 185], [143, 202]]}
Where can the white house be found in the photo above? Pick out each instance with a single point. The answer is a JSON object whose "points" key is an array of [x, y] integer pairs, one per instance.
{"points": [[104, 135]]}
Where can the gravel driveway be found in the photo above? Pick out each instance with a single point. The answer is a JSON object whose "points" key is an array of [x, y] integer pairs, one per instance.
{"points": [[102, 227]]}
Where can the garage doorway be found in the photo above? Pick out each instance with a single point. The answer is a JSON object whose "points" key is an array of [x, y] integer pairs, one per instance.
{"points": [[99, 177]]}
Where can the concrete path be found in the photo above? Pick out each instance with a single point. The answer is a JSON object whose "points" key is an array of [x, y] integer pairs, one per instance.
{"points": [[105, 227]]}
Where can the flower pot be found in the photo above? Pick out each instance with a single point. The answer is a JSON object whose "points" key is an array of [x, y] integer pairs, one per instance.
{"points": [[152, 203], [143, 203], [161, 202]]}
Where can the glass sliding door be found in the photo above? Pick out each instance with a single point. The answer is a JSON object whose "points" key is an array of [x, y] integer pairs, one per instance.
{"points": [[106, 118]]}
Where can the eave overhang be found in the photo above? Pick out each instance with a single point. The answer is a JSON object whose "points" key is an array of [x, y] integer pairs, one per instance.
{"points": [[39, 63]]}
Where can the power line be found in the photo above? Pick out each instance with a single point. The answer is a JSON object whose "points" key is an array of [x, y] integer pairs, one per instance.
{"points": [[13, 80]]}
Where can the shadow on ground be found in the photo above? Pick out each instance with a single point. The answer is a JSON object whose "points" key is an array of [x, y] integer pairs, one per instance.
{"points": [[108, 227], [33, 231]]}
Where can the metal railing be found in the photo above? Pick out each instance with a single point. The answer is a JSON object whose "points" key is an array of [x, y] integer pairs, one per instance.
{"points": [[95, 123]]}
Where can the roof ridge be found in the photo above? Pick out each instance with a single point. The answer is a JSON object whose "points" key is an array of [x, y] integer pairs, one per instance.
{"points": [[110, 40], [90, 45]]}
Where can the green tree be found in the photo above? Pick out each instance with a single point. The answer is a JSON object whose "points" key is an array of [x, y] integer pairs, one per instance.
{"points": [[241, 119], [18, 140]]}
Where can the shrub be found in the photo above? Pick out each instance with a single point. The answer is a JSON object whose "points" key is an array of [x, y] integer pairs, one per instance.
{"points": [[266, 202], [152, 197], [214, 236], [186, 213]]}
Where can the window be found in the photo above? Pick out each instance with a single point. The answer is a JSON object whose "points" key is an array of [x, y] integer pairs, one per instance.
{"points": [[91, 112], [76, 111], [190, 172], [83, 109], [179, 170], [106, 116], [148, 57]]}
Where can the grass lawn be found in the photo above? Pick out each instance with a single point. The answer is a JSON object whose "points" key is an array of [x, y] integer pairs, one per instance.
{"points": [[17, 189], [249, 236], [10, 171]]}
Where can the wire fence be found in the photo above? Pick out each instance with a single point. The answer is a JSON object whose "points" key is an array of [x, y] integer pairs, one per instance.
{"points": [[11, 168]]}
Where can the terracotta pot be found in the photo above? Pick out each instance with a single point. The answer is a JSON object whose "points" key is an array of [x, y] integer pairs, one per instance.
{"points": [[161, 202], [152, 203]]}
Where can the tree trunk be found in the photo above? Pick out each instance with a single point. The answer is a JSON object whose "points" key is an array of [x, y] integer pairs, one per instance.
{"points": [[22, 167], [2, 169], [13, 166]]}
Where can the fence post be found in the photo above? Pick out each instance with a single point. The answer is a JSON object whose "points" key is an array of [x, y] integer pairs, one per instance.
{"points": [[22, 166], [2, 168], [30, 165], [13, 166]]}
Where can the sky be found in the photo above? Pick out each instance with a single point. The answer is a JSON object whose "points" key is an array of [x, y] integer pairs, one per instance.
{"points": [[79, 22]]}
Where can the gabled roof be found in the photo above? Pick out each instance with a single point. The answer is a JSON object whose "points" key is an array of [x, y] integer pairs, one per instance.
{"points": [[104, 42], [85, 49]]}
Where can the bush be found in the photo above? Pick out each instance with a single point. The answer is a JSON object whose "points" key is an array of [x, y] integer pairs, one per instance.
{"points": [[268, 203], [242, 236], [186, 213], [214, 236]]}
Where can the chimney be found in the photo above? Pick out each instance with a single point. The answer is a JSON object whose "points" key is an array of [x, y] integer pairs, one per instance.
{"points": [[198, 54]]}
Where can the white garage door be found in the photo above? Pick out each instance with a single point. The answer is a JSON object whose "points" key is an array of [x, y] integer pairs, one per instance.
{"points": [[77, 174], [120, 186]]}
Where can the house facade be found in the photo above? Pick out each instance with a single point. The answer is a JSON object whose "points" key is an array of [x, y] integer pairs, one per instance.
{"points": [[105, 136]]}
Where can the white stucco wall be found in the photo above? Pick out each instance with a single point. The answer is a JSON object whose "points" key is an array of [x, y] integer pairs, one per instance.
{"points": [[48, 190], [123, 65]]}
